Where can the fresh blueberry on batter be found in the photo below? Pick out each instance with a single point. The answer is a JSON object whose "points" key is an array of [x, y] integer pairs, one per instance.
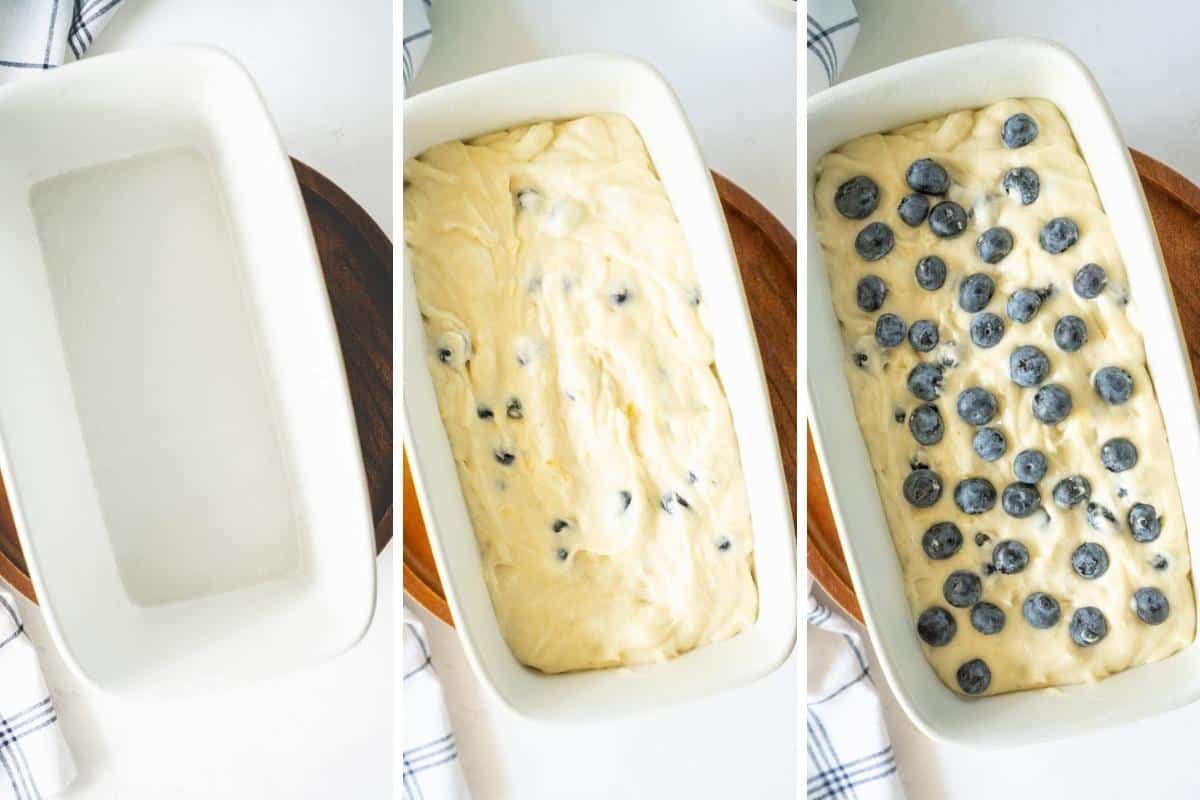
{"points": [[1159, 563], [504, 457], [987, 618], [1071, 491], [1100, 518], [913, 209], [513, 410], [987, 329], [1028, 366], [923, 335], [1070, 333], [989, 444], [1118, 455], [936, 626], [1020, 499], [1113, 384], [1052, 404], [1088, 626], [925, 381], [1089, 560], [1151, 606], [976, 405], [947, 219], [1023, 304], [922, 488], [857, 198], [942, 540], [483, 412], [1010, 557], [1058, 235], [1090, 281], [975, 495], [976, 292], [931, 273], [993, 245], [974, 677], [874, 241], [1144, 524], [962, 589], [1030, 466], [1018, 131], [928, 177], [559, 525], [1041, 610], [870, 293], [925, 422], [889, 330], [1022, 182]]}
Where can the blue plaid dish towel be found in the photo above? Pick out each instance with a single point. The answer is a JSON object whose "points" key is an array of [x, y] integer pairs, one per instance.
{"points": [[431, 767], [36, 35], [832, 29]]}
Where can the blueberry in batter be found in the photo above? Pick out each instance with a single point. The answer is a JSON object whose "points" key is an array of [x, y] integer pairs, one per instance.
{"points": [[857, 198], [874, 241]]}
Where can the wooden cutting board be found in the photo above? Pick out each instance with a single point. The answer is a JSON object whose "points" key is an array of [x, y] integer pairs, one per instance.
{"points": [[356, 257], [766, 254], [1175, 206]]}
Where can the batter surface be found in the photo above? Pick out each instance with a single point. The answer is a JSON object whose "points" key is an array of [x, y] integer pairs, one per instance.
{"points": [[575, 378], [1021, 579]]}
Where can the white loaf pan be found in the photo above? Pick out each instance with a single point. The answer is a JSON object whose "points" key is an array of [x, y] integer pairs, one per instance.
{"points": [[563, 88], [964, 78], [176, 433]]}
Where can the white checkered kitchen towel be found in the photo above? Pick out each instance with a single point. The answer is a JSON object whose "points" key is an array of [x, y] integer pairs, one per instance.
{"points": [[418, 37], [431, 768], [36, 35], [34, 759], [832, 29]]}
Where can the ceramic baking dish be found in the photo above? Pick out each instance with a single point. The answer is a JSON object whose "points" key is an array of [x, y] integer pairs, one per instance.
{"points": [[927, 87], [176, 435], [563, 88]]}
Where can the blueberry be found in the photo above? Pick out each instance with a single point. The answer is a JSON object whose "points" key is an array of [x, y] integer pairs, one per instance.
{"points": [[859, 359], [913, 209], [976, 292], [1070, 333], [1028, 366], [1144, 524], [483, 412], [1058, 235], [445, 355], [1118, 455], [936, 626], [1052, 404], [993, 245], [559, 525], [923, 335], [1071, 491], [942, 540], [1151, 606], [927, 176], [1099, 517], [976, 406], [1024, 183], [1113, 384], [922, 488], [870, 293], [989, 444], [1023, 304], [962, 589], [987, 618], [889, 330], [1088, 626], [1020, 499], [1041, 610], [981, 539], [857, 198], [1030, 466], [974, 677], [1018, 131], [1090, 281], [874, 241], [1159, 562], [975, 495], [987, 330], [1089, 561], [925, 381], [925, 422], [1010, 557], [947, 219], [504, 457], [513, 409], [931, 273]]}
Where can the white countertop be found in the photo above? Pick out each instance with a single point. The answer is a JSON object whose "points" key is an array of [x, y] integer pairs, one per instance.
{"points": [[325, 732], [733, 66], [1147, 61]]}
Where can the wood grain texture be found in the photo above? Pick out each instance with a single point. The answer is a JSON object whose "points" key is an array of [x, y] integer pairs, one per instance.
{"points": [[766, 255], [1174, 203], [356, 258]]}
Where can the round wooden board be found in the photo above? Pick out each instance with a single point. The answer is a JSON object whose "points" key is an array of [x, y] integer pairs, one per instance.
{"points": [[766, 254], [356, 257], [1175, 206]]}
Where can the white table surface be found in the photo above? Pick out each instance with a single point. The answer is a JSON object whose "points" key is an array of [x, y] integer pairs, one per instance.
{"points": [[325, 732], [1147, 61], [733, 66]]}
